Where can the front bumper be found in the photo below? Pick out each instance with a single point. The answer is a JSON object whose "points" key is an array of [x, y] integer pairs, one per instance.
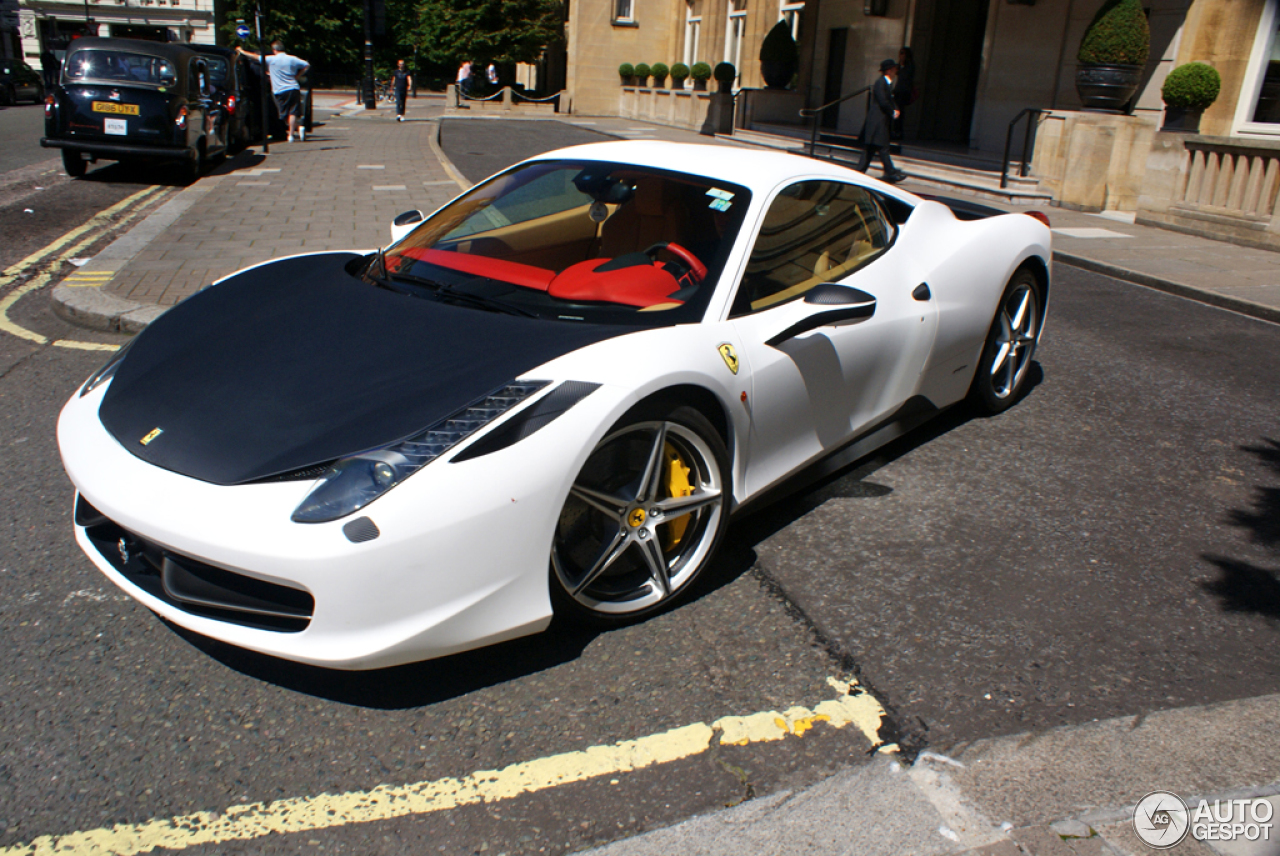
{"points": [[460, 561], [115, 151]]}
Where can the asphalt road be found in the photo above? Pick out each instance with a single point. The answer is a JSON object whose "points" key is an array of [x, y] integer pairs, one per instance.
{"points": [[1107, 546], [21, 126]]}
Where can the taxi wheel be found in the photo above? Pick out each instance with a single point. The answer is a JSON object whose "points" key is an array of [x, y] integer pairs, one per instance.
{"points": [[73, 163]]}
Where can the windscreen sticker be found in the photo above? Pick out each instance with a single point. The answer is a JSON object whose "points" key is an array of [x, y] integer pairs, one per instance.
{"points": [[720, 194], [720, 204]]}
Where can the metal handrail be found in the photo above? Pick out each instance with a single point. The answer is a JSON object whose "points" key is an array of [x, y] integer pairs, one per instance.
{"points": [[1034, 113], [816, 112]]}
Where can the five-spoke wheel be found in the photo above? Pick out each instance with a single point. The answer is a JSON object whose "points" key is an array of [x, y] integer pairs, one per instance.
{"points": [[643, 517], [1011, 344]]}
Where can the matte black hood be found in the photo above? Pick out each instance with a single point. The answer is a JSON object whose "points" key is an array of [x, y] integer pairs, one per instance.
{"points": [[297, 362]]}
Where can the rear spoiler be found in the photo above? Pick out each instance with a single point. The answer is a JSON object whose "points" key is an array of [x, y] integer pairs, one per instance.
{"points": [[967, 209]]}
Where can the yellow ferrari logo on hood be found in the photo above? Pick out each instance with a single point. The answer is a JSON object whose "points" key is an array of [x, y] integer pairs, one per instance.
{"points": [[730, 357], [151, 435]]}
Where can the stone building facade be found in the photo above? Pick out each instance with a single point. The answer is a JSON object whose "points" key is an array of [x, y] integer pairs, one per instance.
{"points": [[53, 24]]}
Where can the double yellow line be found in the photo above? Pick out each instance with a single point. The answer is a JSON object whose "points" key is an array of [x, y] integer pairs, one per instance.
{"points": [[852, 707], [49, 259]]}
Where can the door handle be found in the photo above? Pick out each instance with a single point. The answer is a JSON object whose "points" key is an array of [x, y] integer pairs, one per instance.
{"points": [[922, 292]]}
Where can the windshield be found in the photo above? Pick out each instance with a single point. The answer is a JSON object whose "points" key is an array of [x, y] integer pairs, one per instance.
{"points": [[119, 66], [578, 241]]}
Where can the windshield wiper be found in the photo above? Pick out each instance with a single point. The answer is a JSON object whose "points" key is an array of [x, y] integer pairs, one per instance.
{"points": [[444, 290]]}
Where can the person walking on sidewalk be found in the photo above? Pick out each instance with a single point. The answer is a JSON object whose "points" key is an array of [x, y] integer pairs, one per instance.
{"points": [[284, 70], [401, 80], [880, 115]]}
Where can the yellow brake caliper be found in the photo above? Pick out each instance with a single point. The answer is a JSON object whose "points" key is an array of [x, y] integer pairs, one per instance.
{"points": [[676, 478]]}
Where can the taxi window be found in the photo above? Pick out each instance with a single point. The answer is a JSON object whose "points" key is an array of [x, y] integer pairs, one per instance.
{"points": [[814, 232], [119, 67]]}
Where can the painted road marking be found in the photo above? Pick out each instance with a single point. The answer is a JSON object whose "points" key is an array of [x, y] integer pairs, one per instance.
{"points": [[139, 200], [101, 218], [851, 706], [389, 187], [86, 279]]}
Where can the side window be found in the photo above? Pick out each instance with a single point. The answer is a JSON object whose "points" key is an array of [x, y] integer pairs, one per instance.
{"points": [[813, 232]]}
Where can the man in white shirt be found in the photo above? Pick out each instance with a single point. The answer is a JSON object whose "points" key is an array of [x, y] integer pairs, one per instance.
{"points": [[284, 70]]}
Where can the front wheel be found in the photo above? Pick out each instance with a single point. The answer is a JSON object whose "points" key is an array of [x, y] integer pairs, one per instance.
{"points": [[73, 163], [1006, 358], [643, 518]]}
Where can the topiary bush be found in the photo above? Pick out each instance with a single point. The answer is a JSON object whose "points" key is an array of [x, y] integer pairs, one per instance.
{"points": [[659, 71], [642, 73], [626, 71], [1193, 86], [725, 73], [700, 71], [779, 46], [679, 72], [1118, 35]]}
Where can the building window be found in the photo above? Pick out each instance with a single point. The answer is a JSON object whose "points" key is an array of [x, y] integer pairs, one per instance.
{"points": [[1259, 108], [622, 10], [790, 12], [692, 32], [736, 30]]}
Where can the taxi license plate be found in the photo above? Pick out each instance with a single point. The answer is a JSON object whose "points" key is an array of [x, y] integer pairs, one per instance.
{"points": [[109, 107]]}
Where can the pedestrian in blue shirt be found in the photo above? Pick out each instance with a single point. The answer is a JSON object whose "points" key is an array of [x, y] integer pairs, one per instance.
{"points": [[284, 70]]}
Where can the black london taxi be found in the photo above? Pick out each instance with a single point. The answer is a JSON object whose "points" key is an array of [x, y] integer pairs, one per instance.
{"points": [[134, 100]]}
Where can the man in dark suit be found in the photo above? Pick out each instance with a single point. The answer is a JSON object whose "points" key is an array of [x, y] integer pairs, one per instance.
{"points": [[881, 111]]}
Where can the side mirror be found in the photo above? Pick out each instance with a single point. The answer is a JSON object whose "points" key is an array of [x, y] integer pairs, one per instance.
{"points": [[405, 223], [847, 304]]}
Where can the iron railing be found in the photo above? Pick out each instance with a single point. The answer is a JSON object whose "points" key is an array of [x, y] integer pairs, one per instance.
{"points": [[816, 115], [1034, 114]]}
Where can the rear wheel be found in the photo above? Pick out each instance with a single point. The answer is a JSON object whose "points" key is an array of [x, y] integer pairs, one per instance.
{"points": [[643, 518], [1011, 344], [73, 163]]}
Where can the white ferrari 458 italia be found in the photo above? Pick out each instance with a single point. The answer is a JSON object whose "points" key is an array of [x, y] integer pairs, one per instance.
{"points": [[549, 395]]}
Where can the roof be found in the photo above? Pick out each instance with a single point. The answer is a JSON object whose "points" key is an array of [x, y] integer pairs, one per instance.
{"points": [[168, 50]]}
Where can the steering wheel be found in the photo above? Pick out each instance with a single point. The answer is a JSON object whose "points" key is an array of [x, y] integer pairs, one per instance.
{"points": [[697, 270]]}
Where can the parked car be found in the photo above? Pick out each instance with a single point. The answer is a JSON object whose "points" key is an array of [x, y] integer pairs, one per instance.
{"points": [[550, 395], [236, 89], [133, 100], [20, 82]]}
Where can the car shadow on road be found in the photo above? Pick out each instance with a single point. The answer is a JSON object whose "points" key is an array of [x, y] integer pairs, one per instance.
{"points": [[1243, 586], [433, 681]]}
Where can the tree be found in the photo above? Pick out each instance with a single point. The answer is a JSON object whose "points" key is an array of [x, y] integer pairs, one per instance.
{"points": [[327, 33], [503, 31]]}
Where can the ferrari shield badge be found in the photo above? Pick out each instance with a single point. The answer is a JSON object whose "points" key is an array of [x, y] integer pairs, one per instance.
{"points": [[730, 357], [151, 435]]}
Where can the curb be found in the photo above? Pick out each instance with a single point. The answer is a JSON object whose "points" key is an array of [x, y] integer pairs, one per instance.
{"points": [[1222, 301]]}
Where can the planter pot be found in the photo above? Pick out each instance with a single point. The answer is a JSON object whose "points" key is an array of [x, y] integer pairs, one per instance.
{"points": [[628, 81], [677, 83], [777, 75], [659, 84], [1107, 87], [699, 86], [1186, 119]]}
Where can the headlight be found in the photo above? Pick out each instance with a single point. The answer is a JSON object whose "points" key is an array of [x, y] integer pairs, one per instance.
{"points": [[354, 482], [107, 372]]}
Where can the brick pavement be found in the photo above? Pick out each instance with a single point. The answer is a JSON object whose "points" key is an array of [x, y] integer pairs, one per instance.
{"points": [[338, 190]]}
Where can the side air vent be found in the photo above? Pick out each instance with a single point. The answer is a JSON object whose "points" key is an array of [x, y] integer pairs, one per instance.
{"points": [[542, 413]]}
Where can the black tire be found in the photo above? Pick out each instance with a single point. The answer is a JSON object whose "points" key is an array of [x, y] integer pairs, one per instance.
{"points": [[1001, 378], [644, 517], [193, 169], [73, 163]]}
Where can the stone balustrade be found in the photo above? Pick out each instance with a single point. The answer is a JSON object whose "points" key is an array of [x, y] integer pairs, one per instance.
{"points": [[1221, 187]]}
